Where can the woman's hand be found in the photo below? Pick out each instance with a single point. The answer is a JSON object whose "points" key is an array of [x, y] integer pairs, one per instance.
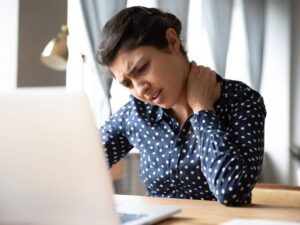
{"points": [[203, 90]]}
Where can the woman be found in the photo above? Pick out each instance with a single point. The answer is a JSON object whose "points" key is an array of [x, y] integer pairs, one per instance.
{"points": [[199, 136]]}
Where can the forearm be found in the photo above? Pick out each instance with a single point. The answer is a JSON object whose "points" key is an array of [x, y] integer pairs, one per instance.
{"points": [[230, 165]]}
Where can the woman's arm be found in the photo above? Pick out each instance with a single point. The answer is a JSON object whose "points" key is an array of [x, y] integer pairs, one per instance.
{"points": [[232, 156], [113, 136]]}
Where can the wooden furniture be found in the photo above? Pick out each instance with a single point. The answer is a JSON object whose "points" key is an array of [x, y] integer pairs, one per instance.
{"points": [[276, 194], [196, 212], [117, 171]]}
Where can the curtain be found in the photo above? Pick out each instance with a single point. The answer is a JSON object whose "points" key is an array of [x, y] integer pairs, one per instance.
{"points": [[180, 9], [254, 11], [96, 82], [217, 21]]}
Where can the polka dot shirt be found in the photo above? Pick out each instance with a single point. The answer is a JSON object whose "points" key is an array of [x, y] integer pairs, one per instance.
{"points": [[216, 155]]}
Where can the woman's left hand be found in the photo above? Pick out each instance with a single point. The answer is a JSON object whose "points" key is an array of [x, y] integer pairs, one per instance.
{"points": [[203, 90]]}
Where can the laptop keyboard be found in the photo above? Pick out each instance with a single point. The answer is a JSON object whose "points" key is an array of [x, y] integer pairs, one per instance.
{"points": [[125, 217]]}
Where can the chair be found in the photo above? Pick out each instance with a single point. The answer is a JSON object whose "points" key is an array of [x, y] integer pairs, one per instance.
{"points": [[276, 194], [117, 171]]}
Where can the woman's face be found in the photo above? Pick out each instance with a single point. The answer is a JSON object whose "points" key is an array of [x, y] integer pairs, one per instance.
{"points": [[151, 75]]}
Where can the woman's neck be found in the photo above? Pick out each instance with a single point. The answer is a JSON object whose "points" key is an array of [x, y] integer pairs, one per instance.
{"points": [[181, 113], [181, 110]]}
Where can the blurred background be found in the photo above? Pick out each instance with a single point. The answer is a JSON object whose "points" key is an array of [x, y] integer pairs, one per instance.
{"points": [[254, 41]]}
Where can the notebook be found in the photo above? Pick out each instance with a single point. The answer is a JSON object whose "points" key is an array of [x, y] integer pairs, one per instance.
{"points": [[52, 166]]}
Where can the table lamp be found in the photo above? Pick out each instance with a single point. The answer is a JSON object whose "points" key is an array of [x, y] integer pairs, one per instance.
{"points": [[55, 54]]}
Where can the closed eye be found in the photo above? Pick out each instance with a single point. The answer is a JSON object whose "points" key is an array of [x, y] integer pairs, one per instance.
{"points": [[126, 83], [142, 68]]}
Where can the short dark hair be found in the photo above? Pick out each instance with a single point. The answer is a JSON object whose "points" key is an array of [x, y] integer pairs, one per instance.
{"points": [[134, 27]]}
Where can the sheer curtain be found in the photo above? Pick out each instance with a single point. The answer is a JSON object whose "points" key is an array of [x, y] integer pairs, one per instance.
{"points": [[90, 17], [254, 11], [217, 21], [180, 9]]}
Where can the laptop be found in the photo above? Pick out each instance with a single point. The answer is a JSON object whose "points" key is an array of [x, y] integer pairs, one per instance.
{"points": [[53, 168]]}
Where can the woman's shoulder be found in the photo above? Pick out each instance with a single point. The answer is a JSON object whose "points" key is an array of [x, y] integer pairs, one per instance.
{"points": [[238, 89], [119, 117], [236, 94], [125, 110]]}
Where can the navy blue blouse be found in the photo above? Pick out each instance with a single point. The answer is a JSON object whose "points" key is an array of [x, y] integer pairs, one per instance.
{"points": [[216, 155]]}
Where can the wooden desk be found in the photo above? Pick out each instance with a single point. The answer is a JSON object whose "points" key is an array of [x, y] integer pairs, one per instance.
{"points": [[198, 212], [276, 194]]}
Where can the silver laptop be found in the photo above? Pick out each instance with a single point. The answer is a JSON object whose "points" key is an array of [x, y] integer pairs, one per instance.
{"points": [[52, 166]]}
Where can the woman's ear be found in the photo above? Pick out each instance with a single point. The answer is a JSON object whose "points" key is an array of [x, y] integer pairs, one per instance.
{"points": [[173, 40]]}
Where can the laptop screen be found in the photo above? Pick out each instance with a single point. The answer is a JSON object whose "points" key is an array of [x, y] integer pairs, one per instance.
{"points": [[52, 167]]}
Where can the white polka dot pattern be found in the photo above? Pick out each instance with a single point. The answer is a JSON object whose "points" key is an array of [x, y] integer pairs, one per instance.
{"points": [[216, 155]]}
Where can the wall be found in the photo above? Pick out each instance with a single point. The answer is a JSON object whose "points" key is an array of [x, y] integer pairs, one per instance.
{"points": [[9, 11], [27, 26], [281, 82], [276, 91], [39, 22], [295, 90]]}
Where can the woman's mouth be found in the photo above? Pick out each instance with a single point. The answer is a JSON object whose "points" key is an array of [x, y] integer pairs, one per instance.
{"points": [[156, 97]]}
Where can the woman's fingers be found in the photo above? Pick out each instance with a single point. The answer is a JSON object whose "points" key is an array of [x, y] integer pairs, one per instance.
{"points": [[202, 88]]}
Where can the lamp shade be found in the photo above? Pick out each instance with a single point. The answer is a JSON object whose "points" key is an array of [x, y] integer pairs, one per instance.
{"points": [[55, 54]]}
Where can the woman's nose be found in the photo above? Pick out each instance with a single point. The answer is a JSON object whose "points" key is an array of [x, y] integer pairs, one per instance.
{"points": [[142, 88]]}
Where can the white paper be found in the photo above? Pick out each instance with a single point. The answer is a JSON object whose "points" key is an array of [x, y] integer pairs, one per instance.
{"points": [[258, 222]]}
